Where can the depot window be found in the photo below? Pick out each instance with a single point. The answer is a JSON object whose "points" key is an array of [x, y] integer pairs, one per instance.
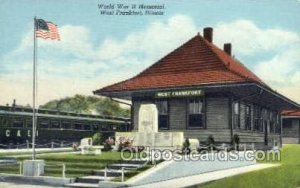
{"points": [[196, 113], [258, 121], [163, 114], [278, 124], [247, 117], [272, 122], [236, 114]]}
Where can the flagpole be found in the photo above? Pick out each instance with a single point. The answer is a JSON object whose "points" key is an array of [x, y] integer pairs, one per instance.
{"points": [[34, 119]]}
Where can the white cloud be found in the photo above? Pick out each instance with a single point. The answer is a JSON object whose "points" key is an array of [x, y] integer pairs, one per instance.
{"points": [[247, 38], [281, 68], [282, 72], [75, 40], [157, 40]]}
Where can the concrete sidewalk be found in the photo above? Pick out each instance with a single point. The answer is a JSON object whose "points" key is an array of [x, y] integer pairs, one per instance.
{"points": [[206, 177]]}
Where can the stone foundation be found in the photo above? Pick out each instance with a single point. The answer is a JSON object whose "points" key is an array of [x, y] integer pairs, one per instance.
{"points": [[33, 167]]}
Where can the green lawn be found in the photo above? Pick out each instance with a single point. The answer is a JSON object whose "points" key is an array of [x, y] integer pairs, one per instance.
{"points": [[77, 165], [285, 176]]}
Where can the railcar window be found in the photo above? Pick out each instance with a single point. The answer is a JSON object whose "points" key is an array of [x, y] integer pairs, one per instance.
{"points": [[4, 121], [108, 127], [66, 125], [44, 124], [29, 123], [18, 123], [55, 124], [104, 127], [101, 127], [78, 126], [95, 127], [87, 127], [119, 127], [1, 121]]}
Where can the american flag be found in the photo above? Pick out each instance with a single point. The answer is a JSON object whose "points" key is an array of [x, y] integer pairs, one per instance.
{"points": [[46, 30]]}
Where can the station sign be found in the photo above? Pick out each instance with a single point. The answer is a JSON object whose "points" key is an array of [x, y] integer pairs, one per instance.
{"points": [[180, 93]]}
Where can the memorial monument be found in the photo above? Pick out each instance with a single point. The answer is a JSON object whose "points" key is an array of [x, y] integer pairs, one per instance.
{"points": [[148, 135]]}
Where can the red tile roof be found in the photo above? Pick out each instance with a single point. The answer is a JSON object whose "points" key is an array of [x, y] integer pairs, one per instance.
{"points": [[290, 113], [197, 62]]}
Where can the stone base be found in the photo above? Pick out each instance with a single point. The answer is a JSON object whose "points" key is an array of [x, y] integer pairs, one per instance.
{"points": [[171, 140], [33, 167]]}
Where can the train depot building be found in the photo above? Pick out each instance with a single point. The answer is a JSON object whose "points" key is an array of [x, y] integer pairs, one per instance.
{"points": [[201, 90], [291, 127]]}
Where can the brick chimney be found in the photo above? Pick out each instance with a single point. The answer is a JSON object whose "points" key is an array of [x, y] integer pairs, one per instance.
{"points": [[208, 34], [14, 103], [227, 48]]}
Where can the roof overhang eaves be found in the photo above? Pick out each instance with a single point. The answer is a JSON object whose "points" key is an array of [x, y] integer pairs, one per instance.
{"points": [[287, 100], [128, 93]]}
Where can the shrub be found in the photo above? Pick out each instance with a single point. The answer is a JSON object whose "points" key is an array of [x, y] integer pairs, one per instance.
{"points": [[186, 147], [75, 147], [97, 139], [125, 143], [211, 143], [108, 144], [210, 140], [235, 141]]}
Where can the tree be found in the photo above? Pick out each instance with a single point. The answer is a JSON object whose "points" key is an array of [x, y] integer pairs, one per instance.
{"points": [[108, 107], [88, 104], [79, 104]]}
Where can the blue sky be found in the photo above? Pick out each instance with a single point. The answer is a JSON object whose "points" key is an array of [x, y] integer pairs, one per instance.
{"points": [[97, 50]]}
